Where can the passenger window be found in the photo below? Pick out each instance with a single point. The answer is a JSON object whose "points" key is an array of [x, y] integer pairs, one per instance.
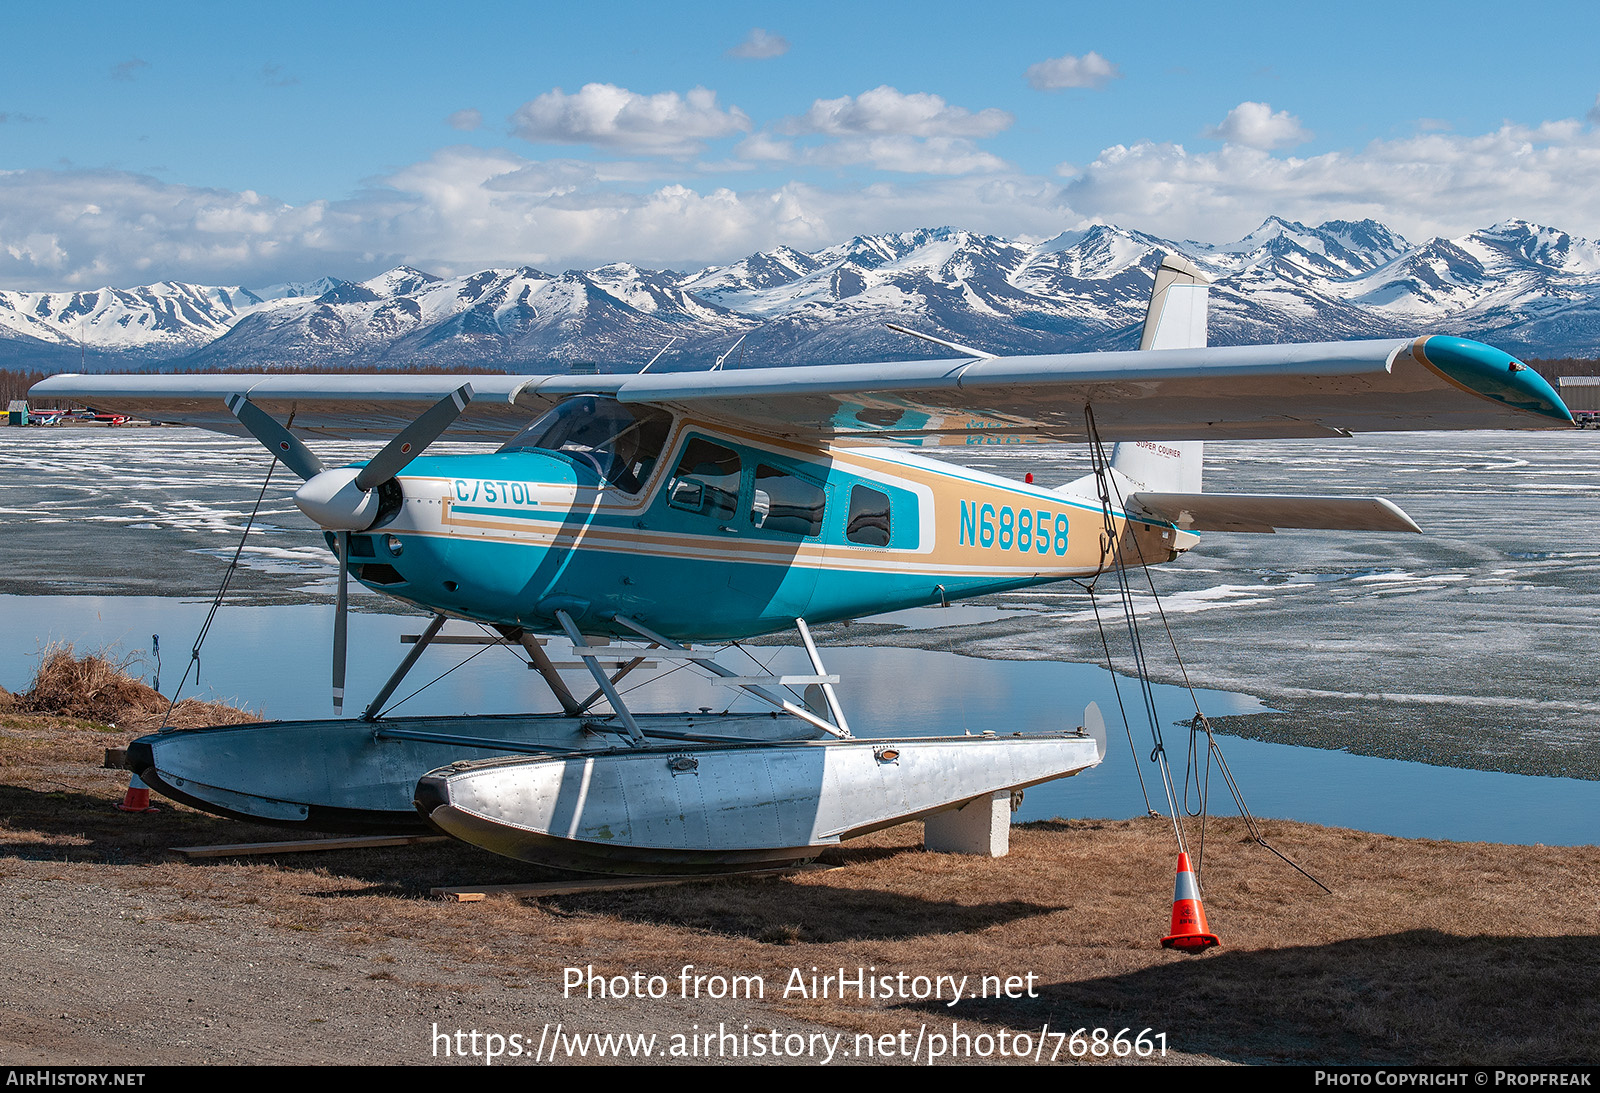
{"points": [[868, 522], [706, 481], [786, 503]]}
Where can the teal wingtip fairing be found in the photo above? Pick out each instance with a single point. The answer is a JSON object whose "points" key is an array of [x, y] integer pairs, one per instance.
{"points": [[1493, 373]]}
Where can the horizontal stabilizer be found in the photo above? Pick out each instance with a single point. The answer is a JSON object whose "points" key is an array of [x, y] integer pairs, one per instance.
{"points": [[1266, 512]]}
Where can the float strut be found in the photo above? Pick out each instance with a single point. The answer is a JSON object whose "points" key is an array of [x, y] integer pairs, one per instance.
{"points": [[586, 654], [371, 712], [541, 662], [710, 665], [597, 694], [827, 688]]}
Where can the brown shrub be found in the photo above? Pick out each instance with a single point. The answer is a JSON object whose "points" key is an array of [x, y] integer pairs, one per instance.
{"points": [[97, 687]]}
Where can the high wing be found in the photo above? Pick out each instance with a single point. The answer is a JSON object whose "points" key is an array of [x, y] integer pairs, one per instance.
{"points": [[340, 407], [1219, 393]]}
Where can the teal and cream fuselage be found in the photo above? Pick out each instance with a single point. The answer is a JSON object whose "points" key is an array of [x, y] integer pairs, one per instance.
{"points": [[510, 538]]}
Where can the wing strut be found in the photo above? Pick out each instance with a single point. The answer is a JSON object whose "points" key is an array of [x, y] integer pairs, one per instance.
{"points": [[964, 350]]}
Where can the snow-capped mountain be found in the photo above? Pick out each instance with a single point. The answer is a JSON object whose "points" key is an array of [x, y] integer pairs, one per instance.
{"points": [[115, 328], [513, 318], [1530, 289], [1516, 284]]}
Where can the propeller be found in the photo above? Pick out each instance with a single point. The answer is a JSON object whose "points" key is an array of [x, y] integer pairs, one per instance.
{"points": [[346, 499], [414, 438], [278, 440]]}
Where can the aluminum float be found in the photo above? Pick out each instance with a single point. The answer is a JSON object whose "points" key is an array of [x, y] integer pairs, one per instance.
{"points": [[716, 807]]}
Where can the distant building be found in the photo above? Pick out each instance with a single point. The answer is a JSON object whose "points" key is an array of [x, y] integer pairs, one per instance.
{"points": [[1582, 396]]}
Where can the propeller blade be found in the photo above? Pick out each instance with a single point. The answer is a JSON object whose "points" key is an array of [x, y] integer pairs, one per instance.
{"points": [[414, 438], [277, 440], [340, 613]]}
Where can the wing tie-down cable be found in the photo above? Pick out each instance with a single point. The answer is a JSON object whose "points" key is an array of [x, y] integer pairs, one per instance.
{"points": [[1111, 548]]}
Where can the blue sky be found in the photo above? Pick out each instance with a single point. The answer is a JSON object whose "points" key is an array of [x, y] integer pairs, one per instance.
{"points": [[234, 144]]}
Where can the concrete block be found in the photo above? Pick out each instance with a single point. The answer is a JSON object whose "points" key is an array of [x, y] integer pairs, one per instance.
{"points": [[981, 826]]}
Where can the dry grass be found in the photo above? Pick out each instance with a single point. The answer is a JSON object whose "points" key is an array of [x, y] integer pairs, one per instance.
{"points": [[97, 687]]}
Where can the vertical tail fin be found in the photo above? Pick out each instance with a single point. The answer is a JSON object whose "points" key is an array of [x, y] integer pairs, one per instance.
{"points": [[1175, 319], [1166, 467]]}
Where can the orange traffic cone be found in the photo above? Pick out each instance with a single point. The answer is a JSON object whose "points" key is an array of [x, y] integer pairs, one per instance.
{"points": [[137, 799], [1189, 930]]}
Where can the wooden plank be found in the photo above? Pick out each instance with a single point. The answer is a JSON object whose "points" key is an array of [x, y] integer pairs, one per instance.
{"points": [[460, 639], [608, 664], [488, 639], [302, 846], [618, 884]]}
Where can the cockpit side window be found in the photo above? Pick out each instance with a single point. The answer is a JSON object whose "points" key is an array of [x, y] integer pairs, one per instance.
{"points": [[620, 443]]}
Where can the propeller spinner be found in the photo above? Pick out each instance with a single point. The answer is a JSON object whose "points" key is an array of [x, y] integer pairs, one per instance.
{"points": [[346, 499]]}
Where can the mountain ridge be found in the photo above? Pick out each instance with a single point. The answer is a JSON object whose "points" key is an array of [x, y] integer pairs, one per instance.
{"points": [[1531, 289]]}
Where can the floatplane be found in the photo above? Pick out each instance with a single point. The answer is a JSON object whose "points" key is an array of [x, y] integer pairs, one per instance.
{"points": [[650, 517]]}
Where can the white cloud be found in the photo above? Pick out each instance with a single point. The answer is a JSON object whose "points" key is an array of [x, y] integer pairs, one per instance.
{"points": [[466, 120], [86, 229], [930, 156], [1594, 111], [455, 180], [468, 208], [608, 116], [461, 210], [766, 148], [1091, 70], [1254, 125], [887, 130], [758, 45], [894, 152], [1424, 185], [465, 208], [884, 110]]}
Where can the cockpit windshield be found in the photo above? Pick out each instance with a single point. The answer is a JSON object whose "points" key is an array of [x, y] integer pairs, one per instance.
{"points": [[619, 443]]}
